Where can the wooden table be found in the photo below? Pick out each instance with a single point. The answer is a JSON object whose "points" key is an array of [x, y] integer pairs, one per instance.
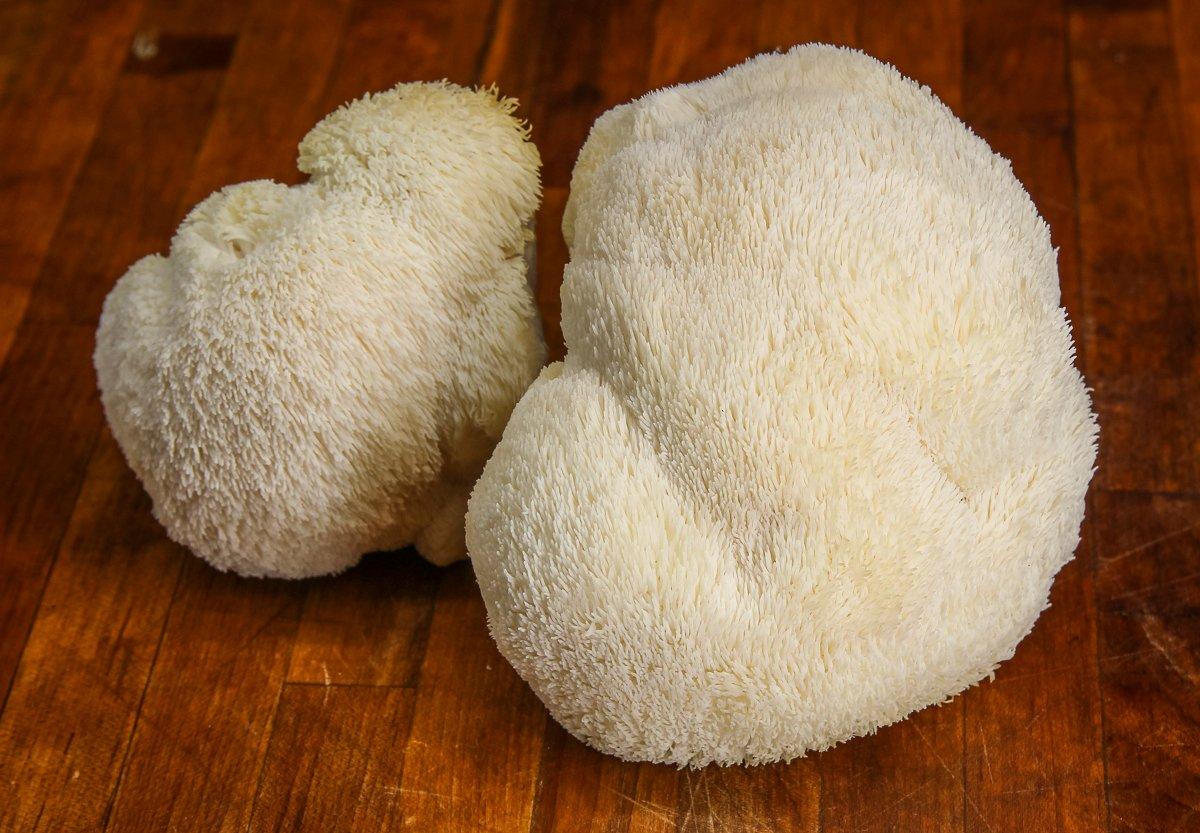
{"points": [[144, 691]]}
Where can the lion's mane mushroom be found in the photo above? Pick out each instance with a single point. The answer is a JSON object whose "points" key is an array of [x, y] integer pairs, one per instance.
{"points": [[314, 372], [818, 446]]}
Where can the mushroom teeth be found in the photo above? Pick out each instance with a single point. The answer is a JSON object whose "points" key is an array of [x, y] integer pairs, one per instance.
{"points": [[318, 371], [818, 446]]}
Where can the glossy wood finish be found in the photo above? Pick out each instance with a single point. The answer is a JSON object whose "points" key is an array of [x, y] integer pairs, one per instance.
{"points": [[143, 691]]}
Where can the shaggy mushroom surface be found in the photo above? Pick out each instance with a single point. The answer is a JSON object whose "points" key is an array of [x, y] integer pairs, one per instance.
{"points": [[318, 371], [818, 446]]}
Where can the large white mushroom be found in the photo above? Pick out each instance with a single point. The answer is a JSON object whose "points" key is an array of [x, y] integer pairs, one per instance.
{"points": [[818, 446], [314, 372]]}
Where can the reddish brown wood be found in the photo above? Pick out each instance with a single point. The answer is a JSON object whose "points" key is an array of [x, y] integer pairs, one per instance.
{"points": [[50, 110], [908, 776], [368, 626], [67, 724], [245, 632], [274, 91], [778, 797], [1038, 723], [152, 693], [1185, 36], [126, 202], [1148, 550], [575, 782], [472, 758], [50, 424], [335, 760], [904, 35], [783, 24], [684, 51], [204, 721], [1141, 301], [656, 800], [552, 257]]}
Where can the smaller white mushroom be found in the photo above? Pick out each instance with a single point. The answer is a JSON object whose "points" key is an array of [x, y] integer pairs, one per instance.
{"points": [[319, 371]]}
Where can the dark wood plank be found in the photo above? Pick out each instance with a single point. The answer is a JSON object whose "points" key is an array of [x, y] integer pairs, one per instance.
{"points": [[1148, 597], [1185, 38], [386, 43], [66, 726], [335, 760], [50, 422], [226, 647], [693, 41], [65, 56], [589, 61], [367, 626], [1141, 299], [575, 782], [783, 24], [511, 55], [472, 758], [1034, 757], [22, 29], [900, 34], [274, 93], [127, 199], [908, 776], [777, 797], [551, 260], [203, 726], [125, 192], [1015, 65]]}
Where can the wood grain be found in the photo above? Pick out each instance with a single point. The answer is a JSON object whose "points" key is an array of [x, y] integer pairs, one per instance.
{"points": [[43, 88], [143, 691], [50, 423], [67, 725], [472, 758], [244, 632], [1139, 275], [335, 760], [1039, 723], [1148, 550]]}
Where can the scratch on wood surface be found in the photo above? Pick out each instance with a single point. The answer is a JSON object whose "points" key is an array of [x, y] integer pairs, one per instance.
{"points": [[659, 811], [1148, 544], [987, 761], [1173, 649], [438, 797], [1036, 717], [1159, 585], [687, 816], [942, 763], [717, 822], [868, 822]]}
